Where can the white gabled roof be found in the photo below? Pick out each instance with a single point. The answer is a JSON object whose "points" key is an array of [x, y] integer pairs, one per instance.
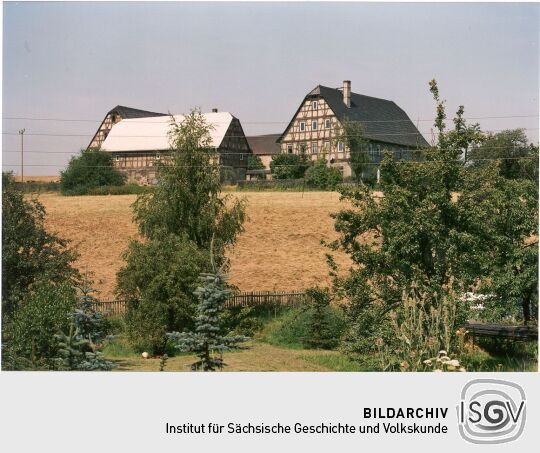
{"points": [[151, 134]]}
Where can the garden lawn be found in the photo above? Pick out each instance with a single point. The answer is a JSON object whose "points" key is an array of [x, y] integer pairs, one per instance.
{"points": [[259, 357]]}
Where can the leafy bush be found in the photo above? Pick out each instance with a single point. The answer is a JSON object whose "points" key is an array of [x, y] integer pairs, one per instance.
{"points": [[255, 162], [242, 321], [127, 189], [272, 184], [321, 176], [92, 168], [158, 282], [29, 252], [227, 175], [31, 338], [288, 166], [37, 186], [295, 328]]}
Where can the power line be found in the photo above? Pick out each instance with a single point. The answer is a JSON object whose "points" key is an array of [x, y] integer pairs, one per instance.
{"points": [[135, 120], [367, 136]]}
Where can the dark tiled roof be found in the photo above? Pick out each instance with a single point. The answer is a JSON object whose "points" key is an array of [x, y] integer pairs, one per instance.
{"points": [[128, 112], [382, 120], [264, 144]]}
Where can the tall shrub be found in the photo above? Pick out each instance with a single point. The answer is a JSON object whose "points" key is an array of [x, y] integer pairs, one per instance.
{"points": [[321, 176], [92, 168], [289, 166], [29, 253]]}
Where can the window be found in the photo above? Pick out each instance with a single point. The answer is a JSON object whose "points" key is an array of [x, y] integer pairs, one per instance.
{"points": [[314, 148], [327, 123], [158, 156], [290, 148], [314, 125], [314, 105], [117, 158], [241, 156], [326, 146], [302, 126], [340, 147]]}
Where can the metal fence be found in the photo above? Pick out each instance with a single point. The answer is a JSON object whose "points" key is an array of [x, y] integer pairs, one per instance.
{"points": [[240, 299]]}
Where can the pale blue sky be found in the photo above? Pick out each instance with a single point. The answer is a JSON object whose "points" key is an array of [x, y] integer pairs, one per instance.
{"points": [[78, 60]]}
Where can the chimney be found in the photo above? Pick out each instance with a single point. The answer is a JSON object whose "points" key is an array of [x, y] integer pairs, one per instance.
{"points": [[347, 92], [214, 110]]}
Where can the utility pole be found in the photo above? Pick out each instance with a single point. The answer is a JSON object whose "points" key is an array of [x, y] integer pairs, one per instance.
{"points": [[21, 133]]}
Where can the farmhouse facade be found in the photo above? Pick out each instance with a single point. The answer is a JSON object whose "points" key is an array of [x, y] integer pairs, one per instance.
{"points": [[136, 143], [317, 125]]}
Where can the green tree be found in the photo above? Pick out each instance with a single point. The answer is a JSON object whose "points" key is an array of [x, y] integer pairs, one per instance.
{"points": [[255, 163], [289, 166], [92, 168], [29, 253], [351, 134], [506, 214], [323, 331], [321, 176], [29, 341], [518, 158], [415, 237], [158, 282], [208, 341], [179, 221], [187, 200]]}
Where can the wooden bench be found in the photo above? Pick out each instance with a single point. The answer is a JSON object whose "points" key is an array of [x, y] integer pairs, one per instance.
{"points": [[521, 333]]}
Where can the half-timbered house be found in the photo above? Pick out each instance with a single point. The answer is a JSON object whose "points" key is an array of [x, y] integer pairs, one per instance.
{"points": [[318, 123], [137, 143]]}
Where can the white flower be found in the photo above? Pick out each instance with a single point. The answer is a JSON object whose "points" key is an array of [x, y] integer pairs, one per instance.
{"points": [[453, 362], [144, 355], [445, 358], [443, 352], [427, 362], [437, 371], [462, 369]]}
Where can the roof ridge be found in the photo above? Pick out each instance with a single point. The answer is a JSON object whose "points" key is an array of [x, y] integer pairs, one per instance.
{"points": [[357, 94]]}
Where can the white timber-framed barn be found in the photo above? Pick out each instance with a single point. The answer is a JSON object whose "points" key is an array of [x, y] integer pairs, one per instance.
{"points": [[137, 142]]}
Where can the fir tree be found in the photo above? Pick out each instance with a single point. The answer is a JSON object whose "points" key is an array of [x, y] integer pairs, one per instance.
{"points": [[79, 349], [208, 341]]}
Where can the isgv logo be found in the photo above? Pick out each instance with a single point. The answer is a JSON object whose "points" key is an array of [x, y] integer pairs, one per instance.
{"points": [[491, 411]]}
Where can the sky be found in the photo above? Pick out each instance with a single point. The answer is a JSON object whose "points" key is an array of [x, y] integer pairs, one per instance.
{"points": [[63, 60]]}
